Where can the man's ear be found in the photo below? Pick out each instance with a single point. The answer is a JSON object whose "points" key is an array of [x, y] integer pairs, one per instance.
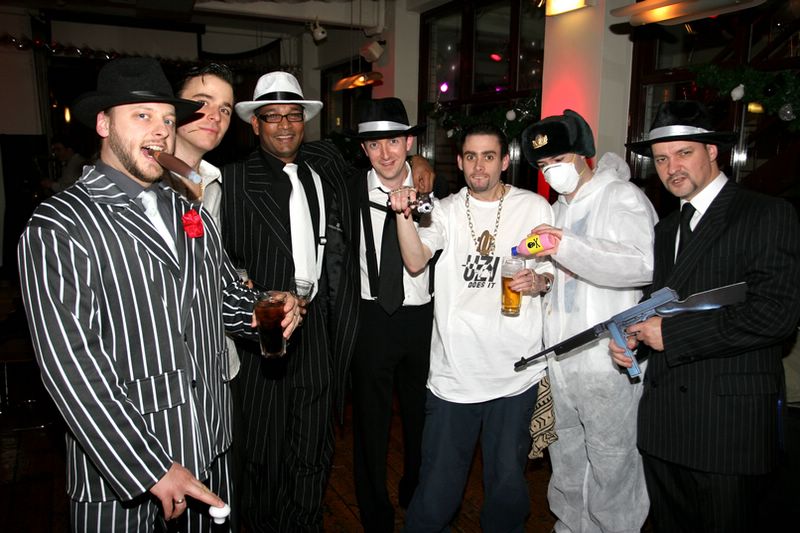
{"points": [[506, 161], [409, 143], [102, 124], [254, 122], [460, 162], [713, 151], [363, 146]]}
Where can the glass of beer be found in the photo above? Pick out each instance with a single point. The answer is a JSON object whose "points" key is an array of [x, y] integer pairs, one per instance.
{"points": [[269, 314], [510, 300]]}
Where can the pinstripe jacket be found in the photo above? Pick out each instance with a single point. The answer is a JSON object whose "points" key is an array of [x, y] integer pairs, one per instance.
{"points": [[130, 339], [710, 399], [257, 240]]}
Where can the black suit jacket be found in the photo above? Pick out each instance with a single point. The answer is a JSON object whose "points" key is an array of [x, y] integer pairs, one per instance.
{"points": [[257, 240], [711, 398]]}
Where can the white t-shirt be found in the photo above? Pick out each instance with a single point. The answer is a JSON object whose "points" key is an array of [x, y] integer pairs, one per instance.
{"points": [[473, 346]]}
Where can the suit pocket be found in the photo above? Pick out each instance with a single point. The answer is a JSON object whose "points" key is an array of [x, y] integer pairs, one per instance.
{"points": [[157, 393], [745, 384]]}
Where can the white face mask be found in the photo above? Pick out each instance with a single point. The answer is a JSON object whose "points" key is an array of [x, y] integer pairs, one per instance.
{"points": [[562, 177]]}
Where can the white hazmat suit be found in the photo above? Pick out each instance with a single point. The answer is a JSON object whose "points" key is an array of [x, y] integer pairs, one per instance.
{"points": [[606, 253]]}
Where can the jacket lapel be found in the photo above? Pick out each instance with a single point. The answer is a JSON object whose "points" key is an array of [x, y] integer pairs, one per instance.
{"points": [[191, 253], [130, 217], [259, 194], [708, 231]]}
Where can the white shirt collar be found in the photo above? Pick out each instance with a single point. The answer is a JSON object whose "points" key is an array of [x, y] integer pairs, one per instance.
{"points": [[374, 182], [209, 173], [703, 199]]}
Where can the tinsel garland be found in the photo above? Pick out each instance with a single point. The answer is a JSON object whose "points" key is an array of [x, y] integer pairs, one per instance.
{"points": [[778, 92], [511, 120], [84, 52]]}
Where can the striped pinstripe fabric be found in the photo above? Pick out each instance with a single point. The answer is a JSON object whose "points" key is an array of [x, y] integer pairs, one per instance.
{"points": [[288, 412], [143, 512], [130, 339], [710, 399]]}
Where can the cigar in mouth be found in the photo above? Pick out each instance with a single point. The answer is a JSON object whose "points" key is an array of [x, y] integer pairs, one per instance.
{"points": [[173, 164]]}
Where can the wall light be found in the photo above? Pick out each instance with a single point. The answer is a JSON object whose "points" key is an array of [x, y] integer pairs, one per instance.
{"points": [[556, 7]]}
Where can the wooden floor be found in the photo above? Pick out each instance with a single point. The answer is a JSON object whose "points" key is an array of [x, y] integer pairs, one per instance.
{"points": [[341, 511], [32, 471]]}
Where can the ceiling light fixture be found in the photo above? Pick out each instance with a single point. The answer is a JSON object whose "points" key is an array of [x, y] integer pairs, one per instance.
{"points": [[318, 33], [371, 51], [359, 80], [557, 7], [672, 12]]}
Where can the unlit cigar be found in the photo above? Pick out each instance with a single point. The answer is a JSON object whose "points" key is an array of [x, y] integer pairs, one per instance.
{"points": [[173, 164]]}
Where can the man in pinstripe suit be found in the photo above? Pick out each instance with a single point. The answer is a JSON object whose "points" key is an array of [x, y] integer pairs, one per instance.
{"points": [[127, 288], [709, 424], [287, 444], [287, 440]]}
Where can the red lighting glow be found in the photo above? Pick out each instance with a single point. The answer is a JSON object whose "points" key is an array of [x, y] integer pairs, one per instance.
{"points": [[496, 57]]}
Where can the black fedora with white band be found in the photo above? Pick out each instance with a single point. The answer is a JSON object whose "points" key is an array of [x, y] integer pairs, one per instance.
{"points": [[383, 118], [277, 88], [682, 120]]}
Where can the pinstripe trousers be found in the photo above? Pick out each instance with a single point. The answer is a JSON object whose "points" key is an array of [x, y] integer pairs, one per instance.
{"points": [[144, 513], [287, 448]]}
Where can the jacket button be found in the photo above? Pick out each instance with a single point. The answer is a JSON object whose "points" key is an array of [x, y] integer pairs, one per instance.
{"points": [[684, 388], [194, 383]]}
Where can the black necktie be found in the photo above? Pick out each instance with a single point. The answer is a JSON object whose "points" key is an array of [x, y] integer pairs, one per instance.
{"points": [[687, 211], [390, 283]]}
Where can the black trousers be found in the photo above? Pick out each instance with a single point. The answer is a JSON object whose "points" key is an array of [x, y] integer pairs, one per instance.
{"points": [[392, 353], [683, 500], [284, 438]]}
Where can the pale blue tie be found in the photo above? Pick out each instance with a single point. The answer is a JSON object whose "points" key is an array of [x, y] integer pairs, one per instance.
{"points": [[150, 204]]}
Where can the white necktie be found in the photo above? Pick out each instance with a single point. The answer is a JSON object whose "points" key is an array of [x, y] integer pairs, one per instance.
{"points": [[303, 241], [151, 210]]}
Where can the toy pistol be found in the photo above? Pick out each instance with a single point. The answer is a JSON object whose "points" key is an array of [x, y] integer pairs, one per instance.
{"points": [[664, 302], [422, 205]]}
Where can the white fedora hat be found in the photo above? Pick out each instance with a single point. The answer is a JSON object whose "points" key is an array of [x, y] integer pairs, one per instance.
{"points": [[277, 88]]}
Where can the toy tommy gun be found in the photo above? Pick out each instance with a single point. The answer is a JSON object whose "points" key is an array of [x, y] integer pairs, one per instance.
{"points": [[664, 302]]}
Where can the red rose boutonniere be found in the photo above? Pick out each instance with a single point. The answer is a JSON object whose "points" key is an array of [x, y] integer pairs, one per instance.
{"points": [[192, 224]]}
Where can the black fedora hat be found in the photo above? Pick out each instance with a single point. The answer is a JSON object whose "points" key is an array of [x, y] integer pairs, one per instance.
{"points": [[130, 80], [383, 118], [682, 120], [556, 135]]}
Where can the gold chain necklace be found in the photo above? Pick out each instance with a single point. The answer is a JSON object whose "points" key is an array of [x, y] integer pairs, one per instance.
{"points": [[485, 243]]}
